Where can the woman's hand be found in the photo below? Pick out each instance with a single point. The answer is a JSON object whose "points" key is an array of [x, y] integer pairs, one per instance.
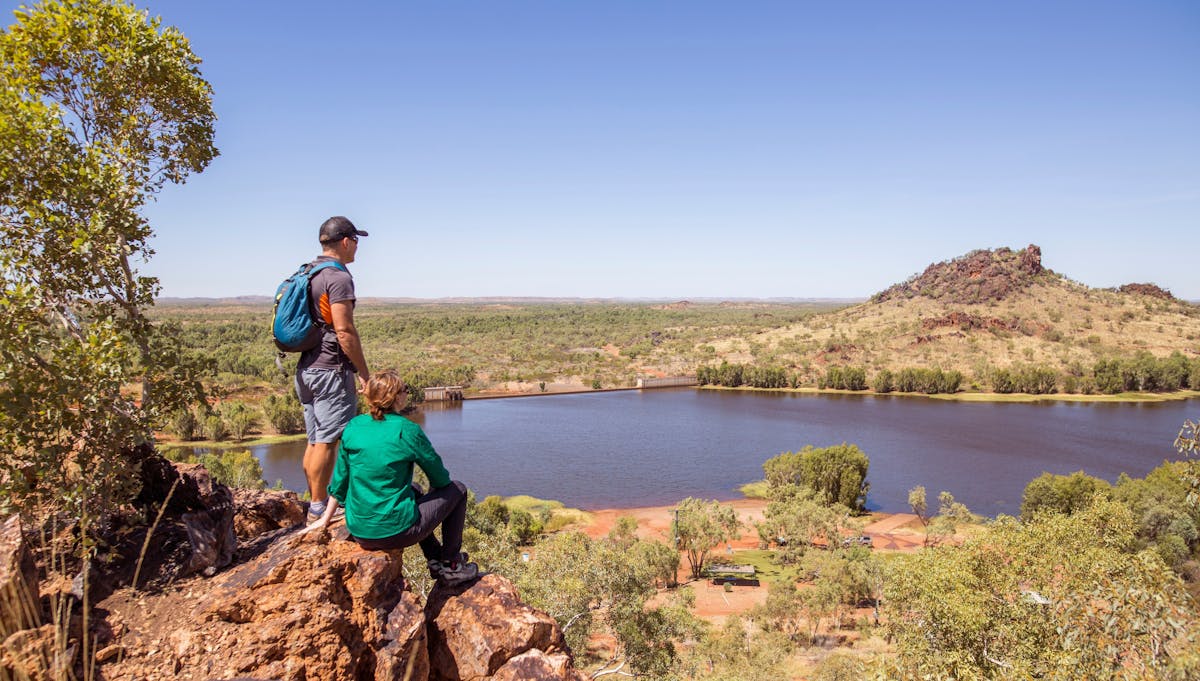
{"points": [[330, 508]]}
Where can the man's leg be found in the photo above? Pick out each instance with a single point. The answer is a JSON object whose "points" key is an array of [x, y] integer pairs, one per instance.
{"points": [[319, 458], [332, 402]]}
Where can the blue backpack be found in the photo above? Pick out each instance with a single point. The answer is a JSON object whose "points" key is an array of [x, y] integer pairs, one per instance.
{"points": [[292, 325]]}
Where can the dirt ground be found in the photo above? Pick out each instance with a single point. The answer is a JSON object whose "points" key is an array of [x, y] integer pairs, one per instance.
{"points": [[894, 532]]}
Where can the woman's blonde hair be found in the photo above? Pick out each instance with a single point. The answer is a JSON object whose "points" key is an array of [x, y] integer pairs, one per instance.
{"points": [[382, 389]]}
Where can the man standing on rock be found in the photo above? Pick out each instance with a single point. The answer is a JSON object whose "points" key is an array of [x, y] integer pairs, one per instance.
{"points": [[325, 375]]}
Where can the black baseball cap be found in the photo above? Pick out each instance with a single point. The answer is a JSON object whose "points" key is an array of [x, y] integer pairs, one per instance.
{"points": [[337, 228]]}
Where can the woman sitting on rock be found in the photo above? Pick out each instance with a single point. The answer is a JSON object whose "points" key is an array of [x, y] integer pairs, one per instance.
{"points": [[372, 479]]}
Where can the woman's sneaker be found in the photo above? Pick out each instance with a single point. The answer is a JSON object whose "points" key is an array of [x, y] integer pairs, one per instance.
{"points": [[452, 572]]}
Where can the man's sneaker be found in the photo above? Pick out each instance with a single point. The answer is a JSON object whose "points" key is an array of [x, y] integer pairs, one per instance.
{"points": [[337, 515]]}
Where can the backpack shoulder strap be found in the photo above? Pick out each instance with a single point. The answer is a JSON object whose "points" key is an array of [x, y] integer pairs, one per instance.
{"points": [[314, 266]]}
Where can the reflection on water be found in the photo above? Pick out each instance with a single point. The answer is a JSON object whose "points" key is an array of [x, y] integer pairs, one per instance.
{"points": [[628, 449]]}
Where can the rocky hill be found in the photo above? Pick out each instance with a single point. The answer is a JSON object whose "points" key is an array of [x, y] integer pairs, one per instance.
{"points": [[977, 277], [985, 309]]}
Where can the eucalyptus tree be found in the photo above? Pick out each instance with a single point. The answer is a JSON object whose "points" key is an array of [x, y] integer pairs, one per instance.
{"points": [[100, 107], [1059, 597], [701, 525]]}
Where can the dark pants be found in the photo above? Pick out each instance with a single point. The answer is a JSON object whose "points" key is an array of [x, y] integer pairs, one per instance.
{"points": [[447, 507]]}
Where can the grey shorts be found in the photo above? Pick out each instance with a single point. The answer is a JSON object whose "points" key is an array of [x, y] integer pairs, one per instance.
{"points": [[330, 400]]}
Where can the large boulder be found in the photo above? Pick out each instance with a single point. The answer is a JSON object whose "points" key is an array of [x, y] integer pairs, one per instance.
{"points": [[476, 628], [258, 511], [313, 608], [535, 665], [195, 534]]}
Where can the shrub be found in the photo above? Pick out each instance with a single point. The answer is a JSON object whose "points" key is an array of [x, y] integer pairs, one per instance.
{"points": [[285, 414], [883, 382], [214, 427], [184, 424], [240, 419], [235, 468], [524, 525]]}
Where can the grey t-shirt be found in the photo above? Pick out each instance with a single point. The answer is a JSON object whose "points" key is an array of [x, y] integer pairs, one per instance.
{"points": [[327, 287]]}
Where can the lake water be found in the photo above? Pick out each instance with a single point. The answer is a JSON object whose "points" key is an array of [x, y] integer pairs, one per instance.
{"points": [[627, 449]]}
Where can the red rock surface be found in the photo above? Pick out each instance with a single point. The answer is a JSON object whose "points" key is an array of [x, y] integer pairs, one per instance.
{"points": [[976, 277]]}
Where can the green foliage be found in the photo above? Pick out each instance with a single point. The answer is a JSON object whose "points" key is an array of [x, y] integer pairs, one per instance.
{"points": [[1034, 380], [701, 525], [884, 382], [1061, 493], [740, 650], [214, 427], [795, 516], [491, 515], [837, 474], [951, 514], [524, 526], [284, 413], [184, 424], [237, 468], [1165, 521], [844, 378], [928, 381], [1061, 596], [589, 585], [1145, 372], [99, 107], [734, 375], [841, 666], [240, 418]]}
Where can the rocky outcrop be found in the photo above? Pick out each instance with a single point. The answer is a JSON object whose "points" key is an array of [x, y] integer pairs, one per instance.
{"points": [[258, 511], [478, 629], [976, 277], [301, 607], [316, 607], [196, 533], [968, 322], [1152, 290]]}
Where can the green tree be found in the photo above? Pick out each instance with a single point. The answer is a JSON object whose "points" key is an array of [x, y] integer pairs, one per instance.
{"points": [[794, 517], [214, 427], [699, 526], [1166, 522], [589, 585], [951, 514], [1059, 597], [284, 413], [883, 382], [920, 508], [101, 106], [838, 474], [184, 424], [240, 418], [1061, 493]]}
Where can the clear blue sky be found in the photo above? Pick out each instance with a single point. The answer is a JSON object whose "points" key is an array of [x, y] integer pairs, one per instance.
{"points": [[688, 149]]}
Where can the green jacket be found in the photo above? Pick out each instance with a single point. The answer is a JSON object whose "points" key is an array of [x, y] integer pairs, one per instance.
{"points": [[372, 478]]}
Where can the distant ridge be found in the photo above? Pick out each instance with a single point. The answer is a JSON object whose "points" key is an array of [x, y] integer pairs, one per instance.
{"points": [[509, 300]]}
